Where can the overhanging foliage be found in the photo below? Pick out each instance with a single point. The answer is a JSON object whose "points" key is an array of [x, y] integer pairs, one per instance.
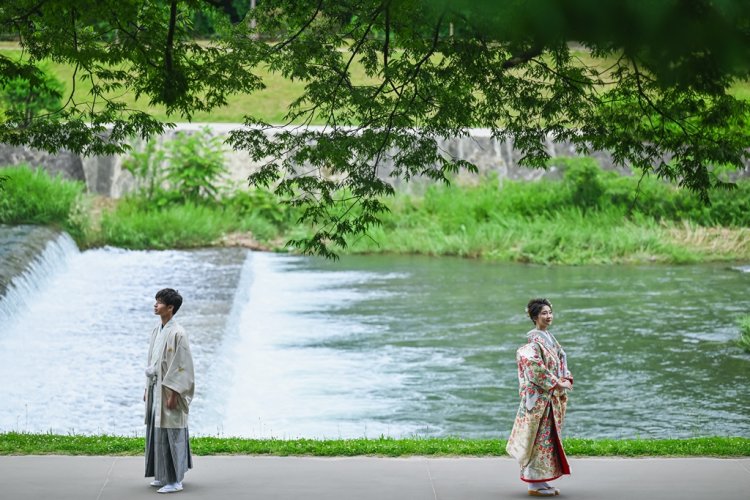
{"points": [[646, 81]]}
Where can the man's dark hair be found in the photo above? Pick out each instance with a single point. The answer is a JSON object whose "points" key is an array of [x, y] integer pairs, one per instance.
{"points": [[534, 307], [170, 297]]}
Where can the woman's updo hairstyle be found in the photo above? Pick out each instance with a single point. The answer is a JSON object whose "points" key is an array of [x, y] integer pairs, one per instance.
{"points": [[534, 307]]}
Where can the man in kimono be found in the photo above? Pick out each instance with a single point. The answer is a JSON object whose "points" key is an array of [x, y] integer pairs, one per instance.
{"points": [[169, 389], [544, 379]]}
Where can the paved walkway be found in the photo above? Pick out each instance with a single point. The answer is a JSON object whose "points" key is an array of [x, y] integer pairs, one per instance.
{"points": [[365, 478]]}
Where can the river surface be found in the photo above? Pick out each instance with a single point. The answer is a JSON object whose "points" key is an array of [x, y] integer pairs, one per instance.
{"points": [[290, 346]]}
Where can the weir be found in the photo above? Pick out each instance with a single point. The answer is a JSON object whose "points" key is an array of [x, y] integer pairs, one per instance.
{"points": [[29, 257], [75, 346], [220, 374]]}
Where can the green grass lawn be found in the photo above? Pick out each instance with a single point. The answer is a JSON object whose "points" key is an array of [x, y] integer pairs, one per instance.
{"points": [[13, 443], [269, 104]]}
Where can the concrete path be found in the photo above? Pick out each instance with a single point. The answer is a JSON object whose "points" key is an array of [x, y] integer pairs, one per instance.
{"points": [[365, 478]]}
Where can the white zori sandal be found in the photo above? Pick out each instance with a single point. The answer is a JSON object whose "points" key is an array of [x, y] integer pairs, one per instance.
{"points": [[170, 488], [550, 491]]}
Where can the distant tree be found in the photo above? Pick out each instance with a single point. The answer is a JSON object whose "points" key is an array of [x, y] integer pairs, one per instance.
{"points": [[24, 98], [652, 88], [140, 46]]}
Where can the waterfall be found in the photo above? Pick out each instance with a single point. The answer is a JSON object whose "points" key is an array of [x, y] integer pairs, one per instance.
{"points": [[220, 375], [50, 258]]}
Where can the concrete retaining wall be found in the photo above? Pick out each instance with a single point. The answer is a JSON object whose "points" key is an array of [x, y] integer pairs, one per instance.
{"points": [[104, 174]]}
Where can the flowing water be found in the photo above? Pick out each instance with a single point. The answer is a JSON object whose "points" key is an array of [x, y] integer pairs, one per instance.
{"points": [[290, 346]]}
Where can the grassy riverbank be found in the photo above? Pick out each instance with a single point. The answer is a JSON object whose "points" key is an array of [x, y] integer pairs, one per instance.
{"points": [[542, 223], [44, 444], [588, 216], [251, 218], [33, 197]]}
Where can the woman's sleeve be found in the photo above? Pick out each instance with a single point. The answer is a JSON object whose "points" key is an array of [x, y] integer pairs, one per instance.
{"points": [[531, 364]]}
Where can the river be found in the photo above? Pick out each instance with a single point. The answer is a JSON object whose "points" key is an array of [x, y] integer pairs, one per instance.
{"points": [[290, 346]]}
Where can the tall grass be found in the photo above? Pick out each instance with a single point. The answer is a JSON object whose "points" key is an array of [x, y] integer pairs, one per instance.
{"points": [[177, 226], [34, 197], [744, 339], [137, 223], [566, 237], [707, 240], [590, 216]]}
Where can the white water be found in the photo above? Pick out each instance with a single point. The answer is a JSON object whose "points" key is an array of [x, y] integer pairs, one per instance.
{"points": [[76, 346], [282, 387], [72, 359], [23, 288]]}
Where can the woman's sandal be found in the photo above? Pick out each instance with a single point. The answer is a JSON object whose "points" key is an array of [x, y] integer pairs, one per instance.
{"points": [[544, 492]]}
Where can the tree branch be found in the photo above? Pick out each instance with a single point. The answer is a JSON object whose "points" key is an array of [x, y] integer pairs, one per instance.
{"points": [[33, 10], [168, 55], [387, 36], [663, 114], [521, 58], [286, 42]]}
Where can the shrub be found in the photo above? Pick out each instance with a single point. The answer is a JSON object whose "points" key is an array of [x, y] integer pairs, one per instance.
{"points": [[196, 166], [585, 180], [729, 207], [260, 202], [188, 169], [147, 167], [30, 94]]}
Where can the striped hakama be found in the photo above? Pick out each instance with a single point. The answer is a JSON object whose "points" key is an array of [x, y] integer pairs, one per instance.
{"points": [[167, 450]]}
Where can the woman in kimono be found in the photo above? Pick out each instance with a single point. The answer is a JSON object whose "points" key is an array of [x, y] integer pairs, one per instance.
{"points": [[544, 380], [170, 386]]}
